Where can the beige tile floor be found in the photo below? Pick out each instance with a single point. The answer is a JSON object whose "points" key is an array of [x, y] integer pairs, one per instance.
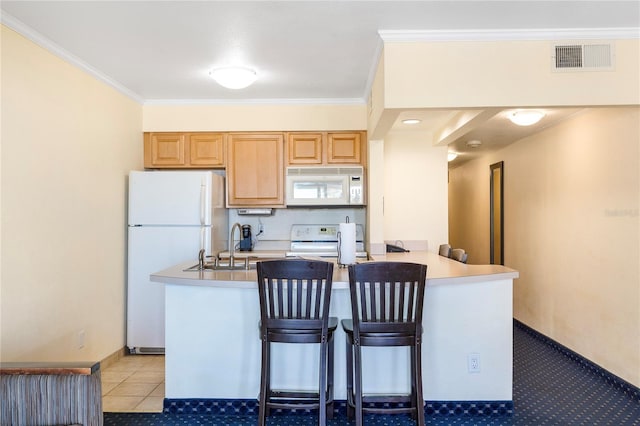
{"points": [[134, 383]]}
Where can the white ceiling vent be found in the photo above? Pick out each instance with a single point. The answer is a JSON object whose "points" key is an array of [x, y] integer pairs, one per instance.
{"points": [[576, 56]]}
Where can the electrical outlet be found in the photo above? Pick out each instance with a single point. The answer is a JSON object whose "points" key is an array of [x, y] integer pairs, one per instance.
{"points": [[473, 363], [81, 334]]}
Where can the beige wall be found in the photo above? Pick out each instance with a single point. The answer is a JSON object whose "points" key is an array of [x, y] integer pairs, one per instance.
{"points": [[571, 230], [415, 189], [68, 143], [377, 127], [502, 73], [253, 117], [469, 209], [375, 198], [407, 199]]}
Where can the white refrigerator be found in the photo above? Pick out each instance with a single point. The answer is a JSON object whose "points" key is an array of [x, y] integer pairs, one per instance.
{"points": [[172, 215]]}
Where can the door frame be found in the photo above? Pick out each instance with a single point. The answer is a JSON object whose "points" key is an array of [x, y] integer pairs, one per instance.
{"points": [[496, 208]]}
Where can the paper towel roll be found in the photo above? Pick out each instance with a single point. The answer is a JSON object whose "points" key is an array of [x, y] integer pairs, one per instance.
{"points": [[347, 242]]}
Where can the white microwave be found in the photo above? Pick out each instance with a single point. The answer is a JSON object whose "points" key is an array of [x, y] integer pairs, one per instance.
{"points": [[325, 186]]}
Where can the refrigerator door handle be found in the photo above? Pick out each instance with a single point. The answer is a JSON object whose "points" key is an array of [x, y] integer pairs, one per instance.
{"points": [[203, 195], [205, 240]]}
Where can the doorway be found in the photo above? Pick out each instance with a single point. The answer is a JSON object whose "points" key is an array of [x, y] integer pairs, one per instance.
{"points": [[496, 213]]}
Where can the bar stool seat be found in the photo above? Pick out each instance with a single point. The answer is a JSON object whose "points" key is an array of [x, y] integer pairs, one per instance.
{"points": [[295, 297], [386, 304]]}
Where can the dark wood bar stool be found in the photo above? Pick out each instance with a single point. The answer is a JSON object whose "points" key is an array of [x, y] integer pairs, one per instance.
{"points": [[294, 308], [444, 250], [386, 306], [459, 254]]}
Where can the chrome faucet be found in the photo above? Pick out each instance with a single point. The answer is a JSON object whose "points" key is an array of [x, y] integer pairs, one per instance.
{"points": [[201, 259], [232, 246]]}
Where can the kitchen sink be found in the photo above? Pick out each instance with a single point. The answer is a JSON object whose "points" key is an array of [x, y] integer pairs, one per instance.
{"points": [[241, 264], [220, 267]]}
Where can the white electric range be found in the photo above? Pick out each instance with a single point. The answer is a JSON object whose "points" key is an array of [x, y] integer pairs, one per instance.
{"points": [[321, 241]]}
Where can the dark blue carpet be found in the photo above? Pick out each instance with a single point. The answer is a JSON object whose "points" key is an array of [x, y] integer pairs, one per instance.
{"points": [[551, 386], [148, 419]]}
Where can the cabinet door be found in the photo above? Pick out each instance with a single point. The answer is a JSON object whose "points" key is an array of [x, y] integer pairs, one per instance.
{"points": [[255, 170], [164, 150], [304, 148], [206, 149], [344, 148]]}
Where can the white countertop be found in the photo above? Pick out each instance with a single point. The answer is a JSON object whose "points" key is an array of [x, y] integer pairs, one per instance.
{"points": [[440, 270]]}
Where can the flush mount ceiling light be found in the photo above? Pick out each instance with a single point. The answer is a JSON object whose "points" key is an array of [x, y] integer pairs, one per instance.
{"points": [[411, 121], [452, 156], [234, 77], [474, 143], [525, 117]]}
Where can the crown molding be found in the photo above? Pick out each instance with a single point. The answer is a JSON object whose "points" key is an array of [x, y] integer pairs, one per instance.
{"points": [[510, 34], [44, 42], [372, 71], [273, 101]]}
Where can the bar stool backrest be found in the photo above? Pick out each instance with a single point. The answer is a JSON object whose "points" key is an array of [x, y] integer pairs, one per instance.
{"points": [[459, 254], [387, 298], [294, 294], [444, 250]]}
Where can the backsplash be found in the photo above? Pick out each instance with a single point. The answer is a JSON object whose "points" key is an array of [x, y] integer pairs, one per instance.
{"points": [[277, 227]]}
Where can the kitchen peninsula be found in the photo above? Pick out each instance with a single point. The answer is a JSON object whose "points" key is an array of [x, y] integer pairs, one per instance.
{"points": [[213, 346]]}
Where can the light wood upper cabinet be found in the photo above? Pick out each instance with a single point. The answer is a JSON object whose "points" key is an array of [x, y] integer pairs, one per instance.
{"points": [[255, 170], [321, 148], [164, 150], [344, 148], [305, 148], [206, 149], [176, 150]]}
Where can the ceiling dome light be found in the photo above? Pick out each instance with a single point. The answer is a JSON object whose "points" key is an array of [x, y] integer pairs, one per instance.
{"points": [[525, 117], [474, 143], [452, 156], [234, 77], [411, 121]]}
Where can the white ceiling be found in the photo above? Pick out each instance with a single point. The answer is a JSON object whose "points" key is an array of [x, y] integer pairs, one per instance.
{"points": [[303, 51]]}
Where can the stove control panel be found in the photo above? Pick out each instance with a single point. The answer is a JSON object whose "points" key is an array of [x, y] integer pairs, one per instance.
{"points": [[321, 233]]}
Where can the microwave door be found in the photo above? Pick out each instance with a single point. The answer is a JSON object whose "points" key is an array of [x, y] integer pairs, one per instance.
{"points": [[320, 190], [309, 191]]}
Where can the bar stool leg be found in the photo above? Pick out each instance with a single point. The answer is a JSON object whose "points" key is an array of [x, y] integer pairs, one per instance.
{"points": [[264, 384], [269, 392], [417, 351], [414, 398], [322, 383], [350, 395], [330, 407], [358, 385]]}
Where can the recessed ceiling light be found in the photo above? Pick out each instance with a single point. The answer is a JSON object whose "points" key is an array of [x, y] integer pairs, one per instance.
{"points": [[525, 117], [411, 121], [452, 156], [234, 77]]}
